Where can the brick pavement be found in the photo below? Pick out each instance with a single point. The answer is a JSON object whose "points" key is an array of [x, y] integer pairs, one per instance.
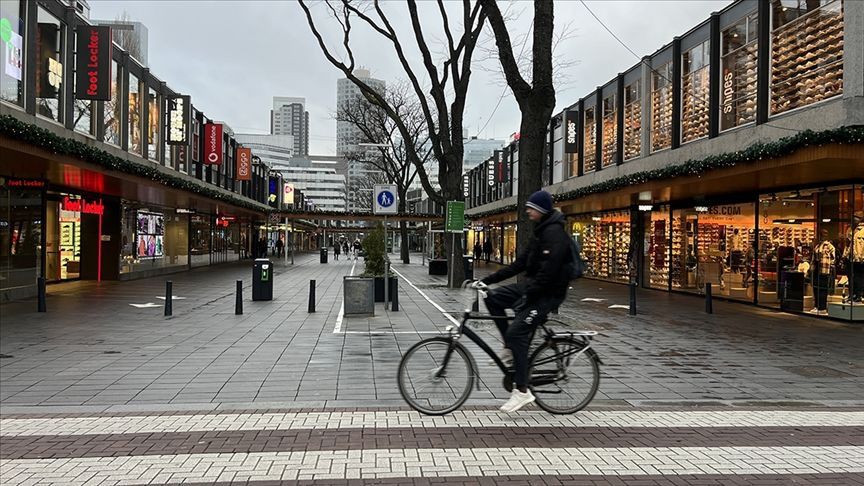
{"points": [[93, 351]]}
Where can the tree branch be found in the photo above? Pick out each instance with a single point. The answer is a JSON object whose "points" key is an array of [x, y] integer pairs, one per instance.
{"points": [[521, 89]]}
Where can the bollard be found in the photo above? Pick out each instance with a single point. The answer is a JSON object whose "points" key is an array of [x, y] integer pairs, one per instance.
{"points": [[709, 304], [632, 298], [475, 307], [311, 296], [394, 299], [168, 298], [238, 304], [41, 307]]}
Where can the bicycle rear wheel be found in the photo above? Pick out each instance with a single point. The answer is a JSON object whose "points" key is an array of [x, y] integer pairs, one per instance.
{"points": [[435, 376], [563, 377]]}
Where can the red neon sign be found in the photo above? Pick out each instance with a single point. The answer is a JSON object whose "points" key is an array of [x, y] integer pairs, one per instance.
{"points": [[83, 206]]}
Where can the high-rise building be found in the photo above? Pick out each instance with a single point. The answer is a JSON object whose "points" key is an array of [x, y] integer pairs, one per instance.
{"points": [[289, 117], [347, 93], [361, 176], [478, 150]]}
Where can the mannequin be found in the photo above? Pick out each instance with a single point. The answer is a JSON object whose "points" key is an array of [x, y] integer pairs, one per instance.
{"points": [[824, 258], [856, 259]]}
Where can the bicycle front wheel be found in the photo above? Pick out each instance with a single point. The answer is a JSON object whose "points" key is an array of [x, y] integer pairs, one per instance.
{"points": [[564, 376], [435, 376]]}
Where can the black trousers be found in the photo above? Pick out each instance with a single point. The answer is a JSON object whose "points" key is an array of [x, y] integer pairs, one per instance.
{"points": [[518, 334], [857, 280], [821, 289]]}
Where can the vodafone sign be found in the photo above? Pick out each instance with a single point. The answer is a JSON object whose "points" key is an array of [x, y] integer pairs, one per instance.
{"points": [[213, 143]]}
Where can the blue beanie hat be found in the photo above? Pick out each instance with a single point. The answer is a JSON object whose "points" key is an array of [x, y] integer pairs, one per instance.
{"points": [[541, 201]]}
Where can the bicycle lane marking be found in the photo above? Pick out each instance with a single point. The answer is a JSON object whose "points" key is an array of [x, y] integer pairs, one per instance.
{"points": [[341, 316], [434, 304]]}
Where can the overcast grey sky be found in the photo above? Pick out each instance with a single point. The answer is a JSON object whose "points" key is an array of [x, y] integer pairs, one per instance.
{"points": [[232, 57]]}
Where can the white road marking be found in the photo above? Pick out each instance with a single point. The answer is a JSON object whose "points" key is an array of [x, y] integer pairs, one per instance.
{"points": [[405, 418], [429, 462], [619, 306], [592, 299], [162, 297], [146, 306], [341, 316], [434, 304]]}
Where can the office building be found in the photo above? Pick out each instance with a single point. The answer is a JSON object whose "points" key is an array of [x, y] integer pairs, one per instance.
{"points": [[289, 117]]}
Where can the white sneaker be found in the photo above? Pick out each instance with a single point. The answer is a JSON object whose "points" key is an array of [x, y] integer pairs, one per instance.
{"points": [[518, 400], [506, 357]]}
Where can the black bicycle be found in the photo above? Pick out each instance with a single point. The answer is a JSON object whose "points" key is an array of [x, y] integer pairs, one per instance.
{"points": [[436, 375]]}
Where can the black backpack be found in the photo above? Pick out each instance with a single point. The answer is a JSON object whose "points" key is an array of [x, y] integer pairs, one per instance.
{"points": [[577, 266]]}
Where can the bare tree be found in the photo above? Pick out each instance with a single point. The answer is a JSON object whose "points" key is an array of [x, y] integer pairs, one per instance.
{"points": [[440, 85], [536, 99], [125, 37], [390, 157], [360, 187]]}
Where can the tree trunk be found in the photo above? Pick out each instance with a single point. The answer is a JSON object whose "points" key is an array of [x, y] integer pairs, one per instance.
{"points": [[532, 145], [451, 188], [403, 230]]}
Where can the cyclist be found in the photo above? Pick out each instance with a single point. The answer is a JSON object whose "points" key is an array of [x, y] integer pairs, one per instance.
{"points": [[547, 265]]}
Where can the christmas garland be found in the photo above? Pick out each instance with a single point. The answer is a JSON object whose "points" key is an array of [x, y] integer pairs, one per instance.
{"points": [[45, 139], [757, 151]]}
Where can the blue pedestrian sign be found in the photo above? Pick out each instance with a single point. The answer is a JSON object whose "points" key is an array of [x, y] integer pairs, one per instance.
{"points": [[385, 199]]}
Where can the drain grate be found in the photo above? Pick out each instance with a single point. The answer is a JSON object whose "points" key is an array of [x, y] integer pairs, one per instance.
{"points": [[816, 371], [3, 356], [110, 352]]}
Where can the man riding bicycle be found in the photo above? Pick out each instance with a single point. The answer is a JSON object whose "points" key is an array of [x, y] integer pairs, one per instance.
{"points": [[547, 265]]}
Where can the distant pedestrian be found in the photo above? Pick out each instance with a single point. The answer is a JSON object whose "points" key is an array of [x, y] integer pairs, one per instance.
{"points": [[345, 247], [280, 245], [262, 247], [478, 250], [487, 250], [357, 248], [336, 250]]}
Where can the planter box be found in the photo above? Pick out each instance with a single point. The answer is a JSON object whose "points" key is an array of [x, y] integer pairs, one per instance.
{"points": [[379, 288], [358, 294]]}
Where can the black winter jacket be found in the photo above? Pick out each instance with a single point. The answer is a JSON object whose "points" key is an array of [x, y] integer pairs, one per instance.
{"points": [[546, 262]]}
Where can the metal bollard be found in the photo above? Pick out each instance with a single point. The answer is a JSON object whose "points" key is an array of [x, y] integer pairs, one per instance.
{"points": [[238, 304], [394, 299], [632, 298], [311, 296], [709, 304], [168, 298], [41, 307]]}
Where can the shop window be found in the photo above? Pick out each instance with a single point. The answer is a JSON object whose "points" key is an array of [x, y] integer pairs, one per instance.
{"points": [[12, 53], [200, 239], [811, 252], [657, 248], [112, 108], [610, 131], [806, 52], [633, 120], [605, 242], [134, 115], [20, 241], [661, 108], [694, 92], [589, 147], [50, 49], [153, 123], [714, 244], [153, 239], [739, 55]]}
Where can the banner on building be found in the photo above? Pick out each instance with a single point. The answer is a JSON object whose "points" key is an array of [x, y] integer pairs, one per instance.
{"points": [[466, 185], [244, 164], [213, 143], [502, 167], [93, 63], [288, 193], [571, 126], [49, 69], [178, 120], [490, 172]]}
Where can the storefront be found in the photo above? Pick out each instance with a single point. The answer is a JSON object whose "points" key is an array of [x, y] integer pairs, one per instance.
{"points": [[21, 231], [81, 237], [155, 240], [605, 242]]}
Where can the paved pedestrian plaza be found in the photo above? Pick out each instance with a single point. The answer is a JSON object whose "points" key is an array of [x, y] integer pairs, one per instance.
{"points": [[100, 391]]}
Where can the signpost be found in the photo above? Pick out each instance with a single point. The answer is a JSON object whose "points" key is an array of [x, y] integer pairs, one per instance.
{"points": [[454, 222], [385, 202]]}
